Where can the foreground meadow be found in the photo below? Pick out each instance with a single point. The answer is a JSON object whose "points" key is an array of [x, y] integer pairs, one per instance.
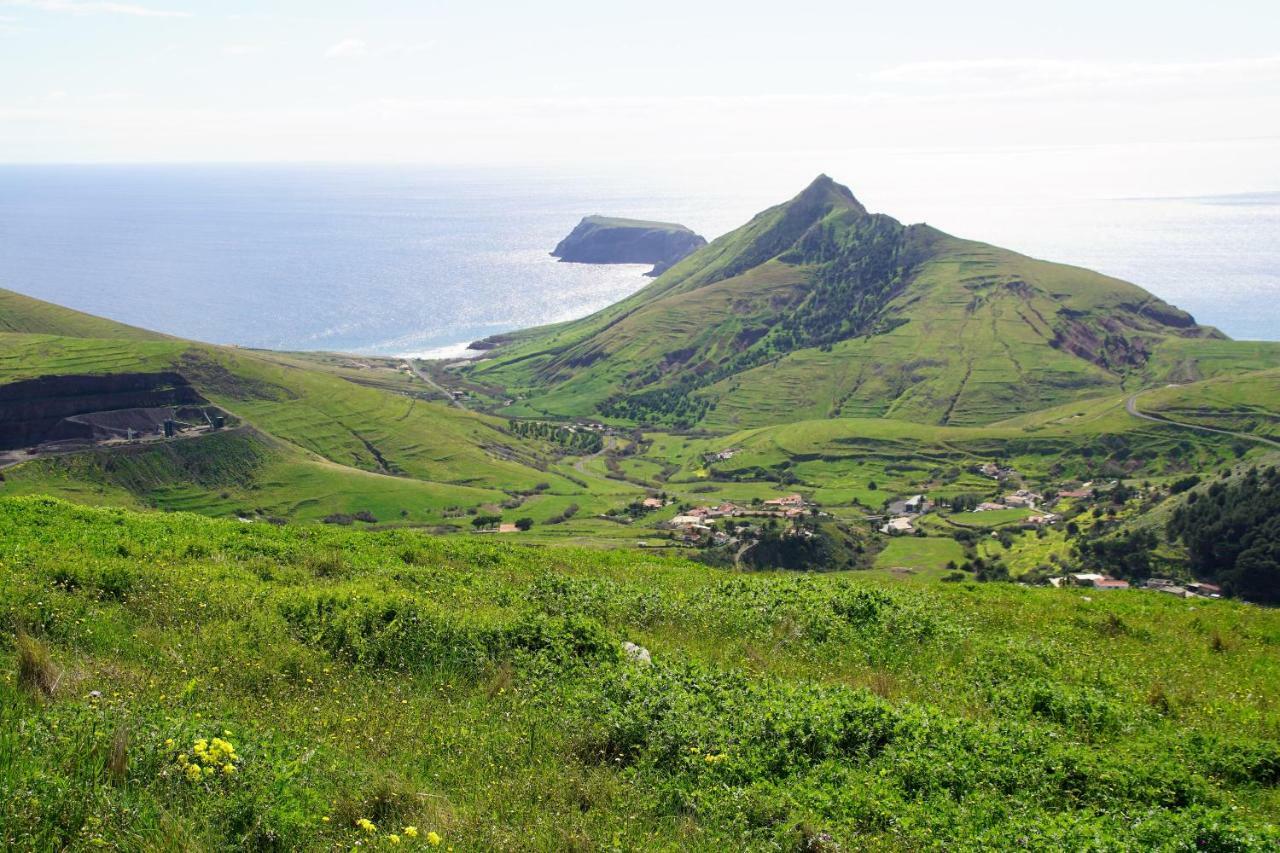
{"points": [[176, 682]]}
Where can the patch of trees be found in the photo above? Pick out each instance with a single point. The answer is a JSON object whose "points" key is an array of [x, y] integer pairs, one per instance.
{"points": [[861, 265], [577, 440], [783, 549], [347, 518], [1127, 556], [674, 405], [984, 569], [567, 513], [1232, 534]]}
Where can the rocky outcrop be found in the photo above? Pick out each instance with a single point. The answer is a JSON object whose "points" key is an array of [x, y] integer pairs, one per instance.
{"points": [[608, 240]]}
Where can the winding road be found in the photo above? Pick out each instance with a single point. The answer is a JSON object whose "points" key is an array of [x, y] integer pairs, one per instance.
{"points": [[1131, 406]]}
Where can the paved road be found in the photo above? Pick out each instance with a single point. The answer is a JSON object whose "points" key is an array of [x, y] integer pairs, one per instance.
{"points": [[1131, 405]]}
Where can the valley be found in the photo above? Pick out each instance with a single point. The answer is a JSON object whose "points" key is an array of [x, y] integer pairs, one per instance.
{"points": [[820, 350], [839, 534]]}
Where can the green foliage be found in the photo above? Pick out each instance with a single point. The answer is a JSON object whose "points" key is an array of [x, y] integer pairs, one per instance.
{"points": [[1127, 555], [576, 440], [1232, 533], [480, 691]]}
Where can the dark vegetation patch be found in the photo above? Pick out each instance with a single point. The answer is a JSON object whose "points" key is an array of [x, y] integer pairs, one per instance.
{"points": [[1232, 534]]}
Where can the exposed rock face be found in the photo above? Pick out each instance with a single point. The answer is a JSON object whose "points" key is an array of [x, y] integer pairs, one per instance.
{"points": [[607, 240], [53, 407]]}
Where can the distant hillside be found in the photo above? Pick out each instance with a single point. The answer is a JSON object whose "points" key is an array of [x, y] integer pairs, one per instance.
{"points": [[611, 240], [320, 438], [28, 315], [818, 308]]}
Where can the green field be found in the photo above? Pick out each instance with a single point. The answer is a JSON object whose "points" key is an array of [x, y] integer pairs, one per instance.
{"points": [[477, 691], [928, 556]]}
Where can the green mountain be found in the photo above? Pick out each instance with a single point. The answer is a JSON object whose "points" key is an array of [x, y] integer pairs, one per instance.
{"points": [[818, 308]]}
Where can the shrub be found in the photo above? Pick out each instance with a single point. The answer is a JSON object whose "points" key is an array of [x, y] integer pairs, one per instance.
{"points": [[37, 673]]}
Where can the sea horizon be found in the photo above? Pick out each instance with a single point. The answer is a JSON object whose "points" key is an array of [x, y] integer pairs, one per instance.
{"points": [[422, 261]]}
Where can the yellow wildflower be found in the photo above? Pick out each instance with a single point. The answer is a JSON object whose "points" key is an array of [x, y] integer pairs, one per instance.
{"points": [[324, 819], [367, 825], [411, 831], [168, 744], [394, 839], [193, 773], [228, 769], [433, 838]]}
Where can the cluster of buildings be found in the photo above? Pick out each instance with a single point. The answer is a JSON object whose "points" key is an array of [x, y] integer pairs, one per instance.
{"points": [[994, 471], [903, 512], [722, 455], [696, 524], [1085, 491], [1093, 580], [1189, 590]]}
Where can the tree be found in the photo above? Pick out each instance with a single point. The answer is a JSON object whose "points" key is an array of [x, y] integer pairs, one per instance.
{"points": [[1232, 534], [483, 521], [524, 523]]}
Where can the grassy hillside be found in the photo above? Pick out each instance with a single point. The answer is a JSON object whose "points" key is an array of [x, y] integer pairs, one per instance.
{"points": [[1248, 403], [817, 308], [480, 693], [24, 314], [334, 437], [337, 445]]}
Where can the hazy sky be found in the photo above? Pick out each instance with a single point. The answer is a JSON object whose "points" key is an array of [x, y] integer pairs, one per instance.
{"points": [[1128, 96]]}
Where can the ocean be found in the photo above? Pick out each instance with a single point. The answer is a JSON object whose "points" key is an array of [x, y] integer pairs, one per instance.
{"points": [[414, 260]]}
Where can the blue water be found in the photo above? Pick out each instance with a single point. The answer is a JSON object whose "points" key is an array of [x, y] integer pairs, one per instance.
{"points": [[412, 260]]}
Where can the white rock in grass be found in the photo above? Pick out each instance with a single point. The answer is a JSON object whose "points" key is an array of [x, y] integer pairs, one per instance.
{"points": [[639, 654]]}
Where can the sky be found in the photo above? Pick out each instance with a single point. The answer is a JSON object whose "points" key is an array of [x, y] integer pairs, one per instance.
{"points": [[1111, 97]]}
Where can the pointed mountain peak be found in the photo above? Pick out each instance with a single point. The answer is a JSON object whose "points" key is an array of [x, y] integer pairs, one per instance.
{"points": [[826, 192]]}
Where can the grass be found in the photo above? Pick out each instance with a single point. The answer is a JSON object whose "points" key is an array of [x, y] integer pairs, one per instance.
{"points": [[25, 315], [926, 555], [1247, 403], [477, 690]]}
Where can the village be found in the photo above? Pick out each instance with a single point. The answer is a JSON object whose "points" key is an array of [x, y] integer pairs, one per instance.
{"points": [[697, 525]]}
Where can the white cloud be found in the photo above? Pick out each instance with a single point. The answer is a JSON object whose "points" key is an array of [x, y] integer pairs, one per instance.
{"points": [[242, 49], [93, 7], [348, 48]]}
